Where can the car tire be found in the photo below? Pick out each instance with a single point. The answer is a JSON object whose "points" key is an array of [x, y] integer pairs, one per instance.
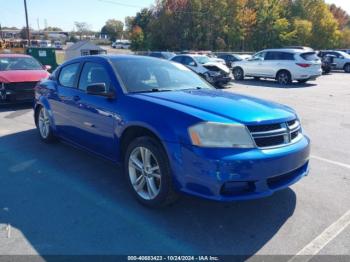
{"points": [[238, 74], [284, 78], [43, 124], [347, 68], [148, 173]]}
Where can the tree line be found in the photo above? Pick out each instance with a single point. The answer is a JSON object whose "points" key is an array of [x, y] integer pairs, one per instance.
{"points": [[241, 25]]}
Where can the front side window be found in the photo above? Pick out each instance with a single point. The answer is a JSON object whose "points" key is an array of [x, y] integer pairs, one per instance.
{"points": [[19, 63], [150, 75], [68, 75], [93, 73], [259, 56], [188, 61]]}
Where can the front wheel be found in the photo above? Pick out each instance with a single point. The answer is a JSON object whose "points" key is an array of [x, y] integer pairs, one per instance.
{"points": [[148, 172], [238, 74], [284, 78]]}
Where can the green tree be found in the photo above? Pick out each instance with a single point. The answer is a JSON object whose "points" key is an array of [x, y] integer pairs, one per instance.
{"points": [[113, 28], [137, 39]]}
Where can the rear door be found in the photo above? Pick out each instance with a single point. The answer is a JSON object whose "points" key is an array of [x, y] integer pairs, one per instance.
{"points": [[63, 102], [277, 60]]}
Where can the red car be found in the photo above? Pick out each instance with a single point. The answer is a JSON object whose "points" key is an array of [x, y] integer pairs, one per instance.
{"points": [[18, 77]]}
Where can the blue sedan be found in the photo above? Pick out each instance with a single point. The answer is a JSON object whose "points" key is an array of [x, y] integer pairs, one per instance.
{"points": [[171, 130]]}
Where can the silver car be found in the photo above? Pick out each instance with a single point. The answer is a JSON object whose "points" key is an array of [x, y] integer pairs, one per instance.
{"points": [[341, 59]]}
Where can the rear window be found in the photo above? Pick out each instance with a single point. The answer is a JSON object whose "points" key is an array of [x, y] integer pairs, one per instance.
{"points": [[310, 56]]}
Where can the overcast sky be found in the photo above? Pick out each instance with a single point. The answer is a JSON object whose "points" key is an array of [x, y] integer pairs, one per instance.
{"points": [[63, 13]]}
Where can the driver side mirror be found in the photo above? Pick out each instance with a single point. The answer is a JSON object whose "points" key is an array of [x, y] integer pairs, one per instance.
{"points": [[192, 64], [47, 67], [99, 89]]}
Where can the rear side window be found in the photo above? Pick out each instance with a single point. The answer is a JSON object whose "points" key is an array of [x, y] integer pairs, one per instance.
{"points": [[279, 56], [68, 75], [310, 56]]}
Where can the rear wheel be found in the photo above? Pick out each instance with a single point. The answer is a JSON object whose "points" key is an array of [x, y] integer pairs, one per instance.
{"points": [[44, 125], [238, 74], [284, 78], [148, 172], [347, 68]]}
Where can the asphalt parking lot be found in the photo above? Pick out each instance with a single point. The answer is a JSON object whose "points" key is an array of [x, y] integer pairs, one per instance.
{"points": [[55, 199]]}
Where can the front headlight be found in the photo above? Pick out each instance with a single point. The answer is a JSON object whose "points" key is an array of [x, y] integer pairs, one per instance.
{"points": [[219, 135]]}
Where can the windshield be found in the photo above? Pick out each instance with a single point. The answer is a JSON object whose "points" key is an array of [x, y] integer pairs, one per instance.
{"points": [[202, 59], [152, 75], [19, 63]]}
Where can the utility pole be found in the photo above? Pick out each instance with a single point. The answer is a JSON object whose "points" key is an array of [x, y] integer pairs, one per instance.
{"points": [[26, 12]]}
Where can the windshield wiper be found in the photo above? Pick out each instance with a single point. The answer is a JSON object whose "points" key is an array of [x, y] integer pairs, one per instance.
{"points": [[160, 90]]}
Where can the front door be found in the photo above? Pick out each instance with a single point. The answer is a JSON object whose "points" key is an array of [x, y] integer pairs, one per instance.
{"points": [[96, 113]]}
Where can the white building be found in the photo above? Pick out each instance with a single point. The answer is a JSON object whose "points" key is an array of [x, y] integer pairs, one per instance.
{"points": [[83, 48]]}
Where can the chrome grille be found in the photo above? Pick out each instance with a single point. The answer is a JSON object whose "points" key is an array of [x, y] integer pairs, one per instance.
{"points": [[275, 135]]}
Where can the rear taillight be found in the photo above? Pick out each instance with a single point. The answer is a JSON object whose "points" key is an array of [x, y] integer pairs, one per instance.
{"points": [[303, 65]]}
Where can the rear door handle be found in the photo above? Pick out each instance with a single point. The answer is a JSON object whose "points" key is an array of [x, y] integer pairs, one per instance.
{"points": [[76, 98]]}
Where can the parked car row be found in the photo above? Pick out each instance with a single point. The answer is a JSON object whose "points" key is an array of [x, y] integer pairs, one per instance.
{"points": [[294, 63]]}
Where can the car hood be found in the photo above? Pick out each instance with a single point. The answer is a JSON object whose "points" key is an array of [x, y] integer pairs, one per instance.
{"points": [[218, 65], [236, 107], [23, 75]]}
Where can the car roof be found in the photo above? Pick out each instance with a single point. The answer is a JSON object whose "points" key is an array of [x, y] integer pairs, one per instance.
{"points": [[107, 58], [14, 55], [288, 50]]}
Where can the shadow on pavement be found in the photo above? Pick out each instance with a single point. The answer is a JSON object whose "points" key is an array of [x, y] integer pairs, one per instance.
{"points": [[273, 84], [15, 107], [65, 201]]}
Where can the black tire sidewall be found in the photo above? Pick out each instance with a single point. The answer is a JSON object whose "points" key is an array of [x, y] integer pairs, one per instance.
{"points": [[289, 77], [347, 68], [166, 189], [242, 74]]}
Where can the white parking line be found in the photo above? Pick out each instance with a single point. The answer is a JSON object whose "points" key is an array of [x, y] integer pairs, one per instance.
{"points": [[316, 245], [330, 161]]}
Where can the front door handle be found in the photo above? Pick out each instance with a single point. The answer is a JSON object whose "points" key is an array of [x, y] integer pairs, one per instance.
{"points": [[76, 98]]}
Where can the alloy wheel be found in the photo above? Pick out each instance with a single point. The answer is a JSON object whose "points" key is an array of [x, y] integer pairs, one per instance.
{"points": [[44, 123], [144, 173], [283, 78]]}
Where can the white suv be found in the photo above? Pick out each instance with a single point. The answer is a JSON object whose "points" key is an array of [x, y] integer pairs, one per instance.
{"points": [[284, 65]]}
